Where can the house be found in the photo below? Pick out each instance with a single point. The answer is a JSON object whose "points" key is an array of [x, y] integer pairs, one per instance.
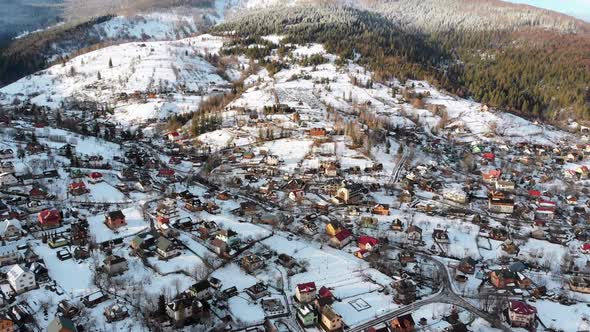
{"points": [[331, 171], [333, 228], [114, 265], [458, 196], [297, 195], [341, 239], [306, 315], [95, 177], [39, 270], [367, 243], [116, 312], [503, 278], [219, 246], [8, 179], [579, 284], [522, 314], [257, 291], [397, 225], [94, 299], [403, 323], [6, 323], [272, 160], [305, 293], [173, 136], [407, 256], [251, 263], [440, 236], [330, 320], [79, 234], [201, 290], [405, 291], [62, 324], [272, 307], [166, 248], [369, 222], [184, 308], [414, 233], [362, 254], [505, 185], [467, 265], [166, 173], [77, 188], [317, 132], [381, 209], [10, 230], [501, 205], [115, 219], [21, 279], [9, 254], [491, 176], [67, 309], [49, 218], [228, 236]]}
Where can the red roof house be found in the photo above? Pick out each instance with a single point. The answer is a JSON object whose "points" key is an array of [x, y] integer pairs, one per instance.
{"points": [[95, 177], [77, 188], [305, 293], [521, 314], [367, 243], [585, 248], [49, 218]]}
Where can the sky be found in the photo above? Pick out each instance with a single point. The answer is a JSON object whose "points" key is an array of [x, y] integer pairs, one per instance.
{"points": [[576, 8]]}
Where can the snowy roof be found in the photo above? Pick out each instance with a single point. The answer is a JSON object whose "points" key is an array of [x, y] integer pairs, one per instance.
{"points": [[16, 271]]}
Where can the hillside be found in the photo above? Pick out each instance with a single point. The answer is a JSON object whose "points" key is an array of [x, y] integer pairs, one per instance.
{"points": [[532, 63]]}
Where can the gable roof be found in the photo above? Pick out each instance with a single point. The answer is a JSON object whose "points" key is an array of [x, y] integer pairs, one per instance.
{"points": [[61, 324], [306, 287]]}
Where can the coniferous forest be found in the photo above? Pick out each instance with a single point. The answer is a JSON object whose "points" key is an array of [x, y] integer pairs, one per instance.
{"points": [[538, 73]]}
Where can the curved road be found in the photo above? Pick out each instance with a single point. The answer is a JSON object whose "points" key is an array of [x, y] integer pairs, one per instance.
{"points": [[445, 295]]}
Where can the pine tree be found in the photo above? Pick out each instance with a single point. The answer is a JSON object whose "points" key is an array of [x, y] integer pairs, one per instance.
{"points": [[110, 63], [98, 76]]}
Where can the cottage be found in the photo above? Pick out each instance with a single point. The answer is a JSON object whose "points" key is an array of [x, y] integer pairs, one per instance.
{"points": [[522, 314], [95, 177], [184, 308], [6, 323], [115, 219], [381, 209], [228, 236], [297, 195], [397, 225], [257, 291], [440, 236], [114, 265], [403, 323], [505, 185], [49, 218], [77, 188], [306, 315], [501, 205], [341, 239], [201, 290], [330, 320], [166, 248], [367, 243], [317, 132], [467, 265], [579, 284], [503, 278], [458, 196], [305, 293], [6, 154], [333, 228], [219, 246], [414, 233], [251, 263], [21, 279], [10, 230], [116, 312]]}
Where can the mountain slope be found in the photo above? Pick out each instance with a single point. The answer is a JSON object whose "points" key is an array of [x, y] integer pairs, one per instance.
{"points": [[534, 62]]}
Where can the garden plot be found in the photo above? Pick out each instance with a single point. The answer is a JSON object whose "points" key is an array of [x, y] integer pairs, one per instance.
{"points": [[135, 224], [244, 230], [103, 192]]}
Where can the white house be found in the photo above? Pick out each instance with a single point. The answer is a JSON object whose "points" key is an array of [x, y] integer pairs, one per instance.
{"points": [[272, 160], [297, 195], [10, 230], [8, 179], [455, 195], [21, 279]]}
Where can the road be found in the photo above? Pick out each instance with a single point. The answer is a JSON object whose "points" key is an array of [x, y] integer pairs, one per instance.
{"points": [[445, 295]]}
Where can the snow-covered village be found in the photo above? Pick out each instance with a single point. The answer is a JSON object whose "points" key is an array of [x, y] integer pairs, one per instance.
{"points": [[183, 184]]}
